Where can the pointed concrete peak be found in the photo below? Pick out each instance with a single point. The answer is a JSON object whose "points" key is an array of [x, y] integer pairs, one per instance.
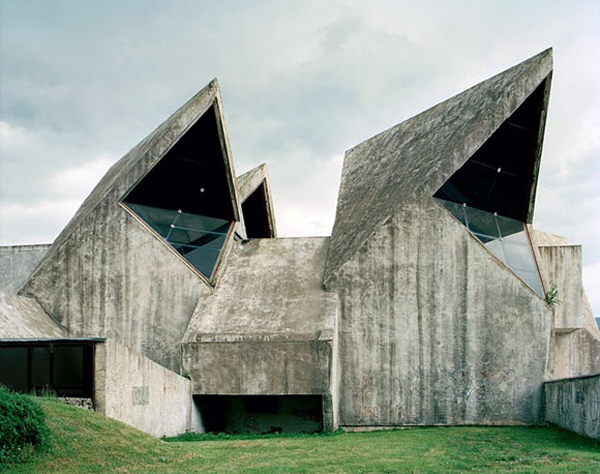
{"points": [[413, 159], [198, 122], [250, 180]]}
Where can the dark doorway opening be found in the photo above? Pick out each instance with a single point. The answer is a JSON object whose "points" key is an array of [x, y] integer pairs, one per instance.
{"points": [[261, 413]]}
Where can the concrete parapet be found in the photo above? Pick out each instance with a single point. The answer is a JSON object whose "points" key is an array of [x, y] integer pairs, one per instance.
{"points": [[574, 404]]}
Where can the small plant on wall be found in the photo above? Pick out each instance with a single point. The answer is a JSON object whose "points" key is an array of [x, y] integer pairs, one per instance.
{"points": [[551, 296]]}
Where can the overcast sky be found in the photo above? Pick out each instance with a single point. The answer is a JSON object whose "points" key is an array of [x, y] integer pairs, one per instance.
{"points": [[81, 82]]}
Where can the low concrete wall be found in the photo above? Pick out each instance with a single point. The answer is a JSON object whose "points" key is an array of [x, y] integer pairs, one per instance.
{"points": [[574, 404], [131, 388], [16, 264]]}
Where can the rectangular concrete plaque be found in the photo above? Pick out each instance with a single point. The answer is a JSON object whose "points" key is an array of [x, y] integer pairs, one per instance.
{"points": [[141, 395]]}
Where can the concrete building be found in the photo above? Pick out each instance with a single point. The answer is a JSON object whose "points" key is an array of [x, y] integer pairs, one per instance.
{"points": [[426, 306]]}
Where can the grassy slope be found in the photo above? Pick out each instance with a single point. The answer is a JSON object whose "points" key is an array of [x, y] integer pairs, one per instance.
{"points": [[85, 442]]}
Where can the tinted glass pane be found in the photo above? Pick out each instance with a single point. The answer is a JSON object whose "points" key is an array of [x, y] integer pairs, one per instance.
{"points": [[13, 367], [496, 247], [457, 210], [518, 255], [68, 368], [199, 239], [40, 367], [481, 222], [159, 219], [203, 258], [506, 238], [202, 222], [533, 280], [509, 226]]}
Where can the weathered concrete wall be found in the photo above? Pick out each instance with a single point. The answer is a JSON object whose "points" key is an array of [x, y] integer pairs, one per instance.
{"points": [[574, 404], [561, 265], [267, 367], [416, 157], [268, 327], [16, 264], [113, 278], [589, 321], [23, 318], [435, 330], [573, 352], [268, 287], [542, 239], [131, 388]]}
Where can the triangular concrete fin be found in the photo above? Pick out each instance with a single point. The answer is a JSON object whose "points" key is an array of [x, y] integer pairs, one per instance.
{"points": [[250, 180], [415, 158], [131, 169]]}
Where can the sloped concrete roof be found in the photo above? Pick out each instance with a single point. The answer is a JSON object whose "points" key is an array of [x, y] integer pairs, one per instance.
{"points": [[544, 239], [415, 158], [23, 318], [270, 290], [132, 167]]}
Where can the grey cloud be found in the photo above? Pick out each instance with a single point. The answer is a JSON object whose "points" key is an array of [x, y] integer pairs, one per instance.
{"points": [[301, 82]]}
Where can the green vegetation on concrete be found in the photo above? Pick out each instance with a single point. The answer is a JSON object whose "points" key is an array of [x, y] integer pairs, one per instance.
{"points": [[22, 426], [85, 442]]}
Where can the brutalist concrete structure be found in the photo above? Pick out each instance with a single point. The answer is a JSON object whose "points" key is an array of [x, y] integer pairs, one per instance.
{"points": [[426, 306]]}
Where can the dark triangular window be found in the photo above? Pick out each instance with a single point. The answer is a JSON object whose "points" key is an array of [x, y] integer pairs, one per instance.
{"points": [[186, 199], [491, 192]]}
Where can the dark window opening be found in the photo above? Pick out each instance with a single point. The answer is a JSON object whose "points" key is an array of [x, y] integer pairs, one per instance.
{"points": [[186, 198], [490, 193], [62, 367], [261, 413], [256, 215], [498, 177]]}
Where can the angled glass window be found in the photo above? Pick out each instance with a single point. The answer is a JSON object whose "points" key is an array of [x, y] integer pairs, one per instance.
{"points": [[186, 197], [491, 192], [499, 175], [506, 238], [199, 239]]}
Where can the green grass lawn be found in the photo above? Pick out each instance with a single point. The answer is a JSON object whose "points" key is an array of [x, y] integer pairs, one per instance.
{"points": [[85, 442]]}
